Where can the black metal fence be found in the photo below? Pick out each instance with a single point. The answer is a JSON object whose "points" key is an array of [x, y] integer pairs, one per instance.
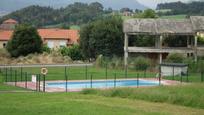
{"points": [[29, 76]]}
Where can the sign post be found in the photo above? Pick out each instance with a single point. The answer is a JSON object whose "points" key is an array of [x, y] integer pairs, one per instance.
{"points": [[44, 72]]}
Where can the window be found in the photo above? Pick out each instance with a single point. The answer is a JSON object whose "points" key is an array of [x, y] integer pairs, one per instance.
{"points": [[4, 45], [62, 43], [50, 44]]}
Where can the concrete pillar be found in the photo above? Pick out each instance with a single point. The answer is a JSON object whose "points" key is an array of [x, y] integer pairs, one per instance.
{"points": [[126, 51], [188, 42], [160, 58], [160, 47], [160, 41], [196, 48]]}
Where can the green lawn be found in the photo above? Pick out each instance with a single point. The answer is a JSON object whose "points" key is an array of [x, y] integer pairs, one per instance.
{"points": [[174, 17], [4, 87], [193, 77], [79, 73], [189, 95], [78, 104], [165, 100]]}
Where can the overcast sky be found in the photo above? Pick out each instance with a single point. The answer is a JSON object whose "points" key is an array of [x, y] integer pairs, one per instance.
{"points": [[153, 3]]}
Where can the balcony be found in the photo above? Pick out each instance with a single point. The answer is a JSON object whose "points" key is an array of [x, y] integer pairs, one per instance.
{"points": [[162, 50]]}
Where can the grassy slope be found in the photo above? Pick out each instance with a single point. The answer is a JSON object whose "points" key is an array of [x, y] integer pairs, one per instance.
{"points": [[191, 95], [77, 104], [174, 17]]}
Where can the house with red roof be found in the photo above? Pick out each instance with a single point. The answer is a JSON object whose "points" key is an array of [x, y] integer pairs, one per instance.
{"points": [[54, 38], [8, 24]]}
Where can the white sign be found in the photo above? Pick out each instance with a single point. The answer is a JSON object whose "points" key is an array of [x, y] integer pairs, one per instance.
{"points": [[34, 78]]}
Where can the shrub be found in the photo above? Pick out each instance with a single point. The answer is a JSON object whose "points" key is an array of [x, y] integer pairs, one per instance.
{"points": [[25, 40], [141, 63], [45, 48], [113, 63], [74, 52], [175, 58], [4, 53], [100, 61]]}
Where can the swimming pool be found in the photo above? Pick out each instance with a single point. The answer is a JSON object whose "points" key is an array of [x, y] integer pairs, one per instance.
{"points": [[101, 84]]}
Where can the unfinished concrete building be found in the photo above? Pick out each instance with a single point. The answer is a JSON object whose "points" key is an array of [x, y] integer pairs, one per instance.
{"points": [[189, 28]]}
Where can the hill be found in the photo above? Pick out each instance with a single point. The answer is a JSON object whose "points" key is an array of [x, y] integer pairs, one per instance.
{"points": [[13, 5], [73, 14], [177, 8]]}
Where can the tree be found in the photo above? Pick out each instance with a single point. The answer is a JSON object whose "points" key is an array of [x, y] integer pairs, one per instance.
{"points": [[148, 13], [175, 58], [141, 63], [104, 36], [125, 10], [73, 52], [25, 40]]}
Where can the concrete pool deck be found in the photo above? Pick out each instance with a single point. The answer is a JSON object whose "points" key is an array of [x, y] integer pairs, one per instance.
{"points": [[35, 86]]}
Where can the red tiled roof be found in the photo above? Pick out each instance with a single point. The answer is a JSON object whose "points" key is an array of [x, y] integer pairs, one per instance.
{"points": [[47, 34], [5, 35], [59, 34], [10, 21]]}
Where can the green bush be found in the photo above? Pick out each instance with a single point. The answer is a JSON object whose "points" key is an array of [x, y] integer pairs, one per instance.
{"points": [[175, 58], [73, 52], [45, 48], [113, 63], [100, 61], [25, 40], [140, 63]]}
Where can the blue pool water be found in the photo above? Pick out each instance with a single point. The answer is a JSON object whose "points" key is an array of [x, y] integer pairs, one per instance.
{"points": [[102, 84]]}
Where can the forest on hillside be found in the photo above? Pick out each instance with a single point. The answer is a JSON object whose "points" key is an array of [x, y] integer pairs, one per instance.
{"points": [[73, 14], [176, 8]]}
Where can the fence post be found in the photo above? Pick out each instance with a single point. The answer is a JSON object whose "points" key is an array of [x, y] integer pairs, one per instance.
{"points": [[160, 75], [181, 79], [66, 76], [115, 80], [173, 73], [86, 72], [6, 75], [11, 75], [137, 80], [106, 71], [145, 73], [26, 84], [39, 82], [21, 74], [91, 80], [187, 76], [15, 77], [43, 83], [126, 70]]}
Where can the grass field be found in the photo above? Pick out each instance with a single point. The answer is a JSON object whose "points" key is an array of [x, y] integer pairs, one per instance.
{"points": [[193, 77], [165, 100], [4, 87], [174, 17], [81, 104], [190, 95], [79, 73], [76, 104]]}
